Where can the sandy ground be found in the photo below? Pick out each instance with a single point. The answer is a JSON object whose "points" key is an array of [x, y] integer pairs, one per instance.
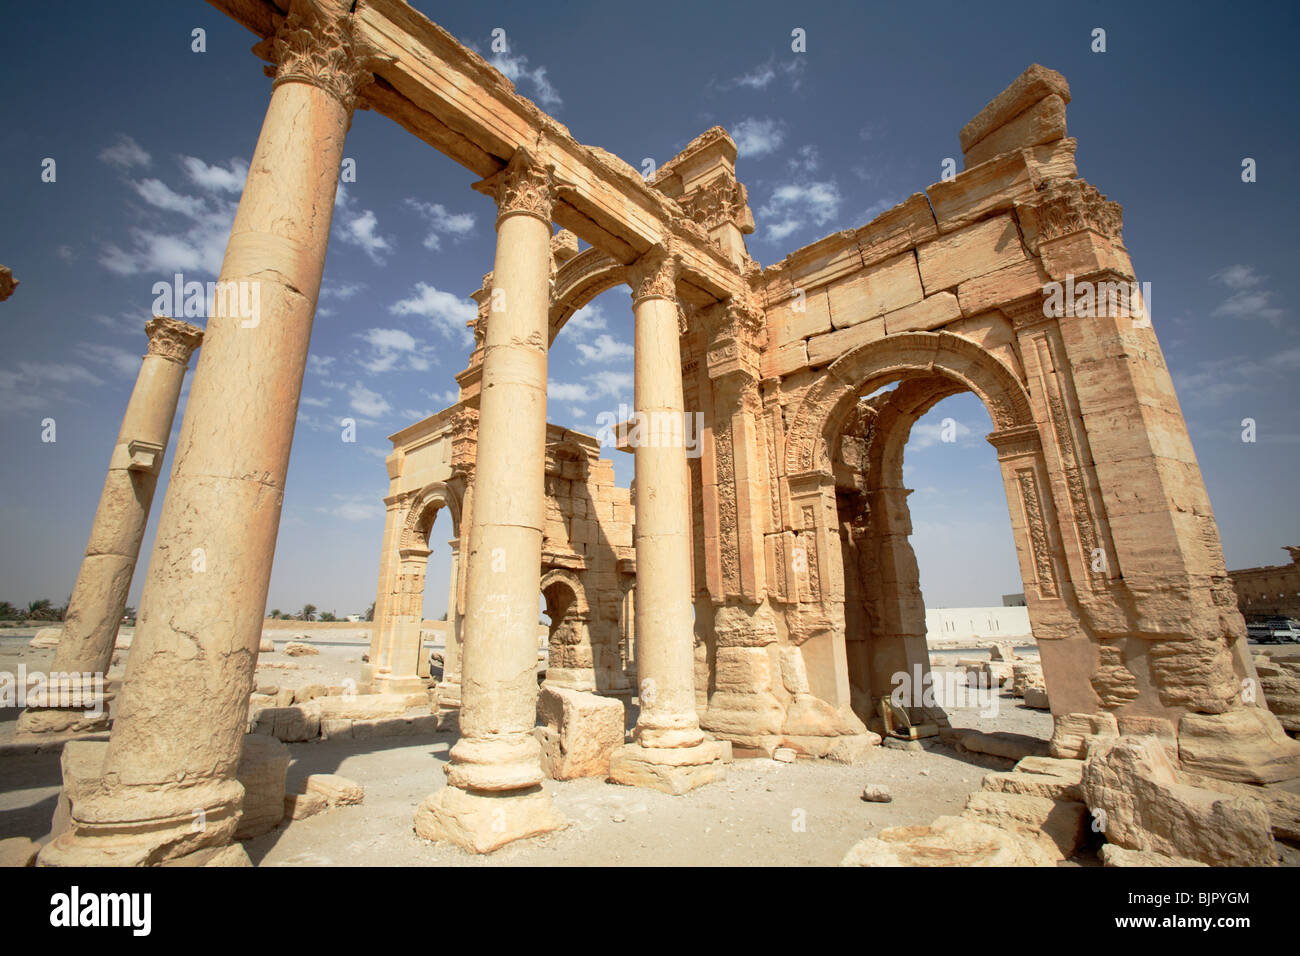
{"points": [[765, 812]]}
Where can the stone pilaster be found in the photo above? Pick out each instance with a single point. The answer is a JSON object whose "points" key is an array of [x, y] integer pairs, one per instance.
{"points": [[493, 794], [104, 580], [670, 752], [167, 787]]}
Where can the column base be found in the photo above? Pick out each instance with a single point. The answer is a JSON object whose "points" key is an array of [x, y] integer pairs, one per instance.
{"points": [[39, 721], [482, 822], [386, 684], [672, 770], [99, 825]]}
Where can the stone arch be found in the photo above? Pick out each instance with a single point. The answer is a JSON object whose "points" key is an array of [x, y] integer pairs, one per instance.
{"points": [[830, 400], [424, 508], [578, 281], [570, 655]]}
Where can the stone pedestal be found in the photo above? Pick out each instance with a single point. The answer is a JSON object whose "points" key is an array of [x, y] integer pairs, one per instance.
{"points": [[172, 758], [670, 752], [494, 775], [99, 597]]}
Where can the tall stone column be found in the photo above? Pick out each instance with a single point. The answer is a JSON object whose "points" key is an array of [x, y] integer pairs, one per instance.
{"points": [[670, 752], [166, 785], [99, 596], [494, 794]]}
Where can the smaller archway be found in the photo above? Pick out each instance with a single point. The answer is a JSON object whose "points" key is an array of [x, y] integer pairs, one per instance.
{"points": [[570, 656]]}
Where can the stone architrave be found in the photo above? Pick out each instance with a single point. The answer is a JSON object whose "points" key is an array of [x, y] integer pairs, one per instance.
{"points": [[98, 602], [177, 734]]}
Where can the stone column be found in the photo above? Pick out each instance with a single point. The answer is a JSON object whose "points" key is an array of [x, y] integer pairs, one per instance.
{"points": [[99, 596], [166, 787], [670, 752], [449, 685], [494, 793]]}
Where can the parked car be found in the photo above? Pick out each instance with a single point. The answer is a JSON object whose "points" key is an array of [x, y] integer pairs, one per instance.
{"points": [[1274, 630]]}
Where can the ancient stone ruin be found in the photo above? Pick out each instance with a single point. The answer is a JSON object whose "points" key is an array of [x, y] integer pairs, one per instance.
{"points": [[756, 598]]}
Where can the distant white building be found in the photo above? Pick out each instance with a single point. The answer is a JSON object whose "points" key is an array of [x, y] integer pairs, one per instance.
{"points": [[968, 623]]}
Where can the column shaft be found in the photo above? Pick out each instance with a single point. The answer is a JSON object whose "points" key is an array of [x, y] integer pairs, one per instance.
{"points": [[178, 735], [497, 754], [104, 579]]}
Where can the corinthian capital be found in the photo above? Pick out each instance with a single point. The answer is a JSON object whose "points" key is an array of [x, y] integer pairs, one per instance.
{"points": [[526, 185], [172, 339], [655, 273], [316, 43]]}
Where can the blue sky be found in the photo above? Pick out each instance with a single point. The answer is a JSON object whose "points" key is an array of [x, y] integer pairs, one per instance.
{"points": [[151, 141]]}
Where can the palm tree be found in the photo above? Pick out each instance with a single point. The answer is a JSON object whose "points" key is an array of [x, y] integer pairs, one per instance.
{"points": [[7, 611], [370, 612], [308, 613], [276, 614], [41, 610], [328, 616]]}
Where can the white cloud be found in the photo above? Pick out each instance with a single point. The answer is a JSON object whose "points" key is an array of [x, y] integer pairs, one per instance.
{"points": [[36, 385], [758, 137], [216, 178], [123, 362], [516, 69], [446, 312], [389, 346], [761, 76], [927, 434], [359, 227], [126, 153], [354, 508], [589, 318], [158, 194], [806, 160], [1239, 277], [598, 385], [320, 364], [793, 206], [367, 403], [340, 290], [605, 348], [315, 402], [442, 223]]}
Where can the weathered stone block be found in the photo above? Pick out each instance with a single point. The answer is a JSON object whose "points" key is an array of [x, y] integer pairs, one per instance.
{"points": [[973, 251], [580, 732], [262, 766]]}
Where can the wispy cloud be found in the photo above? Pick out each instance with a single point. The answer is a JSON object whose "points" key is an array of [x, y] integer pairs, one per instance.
{"points": [[605, 348], [126, 153], [758, 137], [446, 312], [442, 223], [793, 206], [1248, 299], [359, 227]]}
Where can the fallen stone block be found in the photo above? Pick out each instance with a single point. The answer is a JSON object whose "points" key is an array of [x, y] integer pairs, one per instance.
{"points": [[948, 841], [1059, 825], [579, 732], [299, 649], [1247, 745], [1002, 651], [1007, 745], [1041, 777], [290, 724], [1144, 805], [852, 748], [1072, 733], [362, 706], [46, 637], [337, 791], [262, 766], [300, 806], [267, 646], [414, 726], [1283, 806], [1113, 855], [1036, 697]]}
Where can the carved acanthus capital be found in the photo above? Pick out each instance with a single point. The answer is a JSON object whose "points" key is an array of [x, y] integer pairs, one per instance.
{"points": [[655, 273], [316, 44], [526, 185], [720, 201], [1064, 207], [172, 339]]}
